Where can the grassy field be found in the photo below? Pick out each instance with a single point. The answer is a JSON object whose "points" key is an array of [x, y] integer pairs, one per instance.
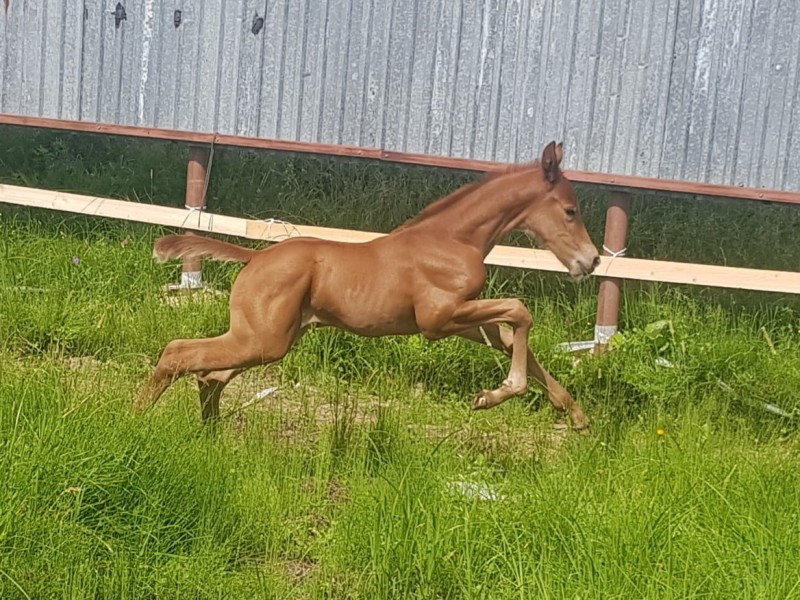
{"points": [[366, 475]]}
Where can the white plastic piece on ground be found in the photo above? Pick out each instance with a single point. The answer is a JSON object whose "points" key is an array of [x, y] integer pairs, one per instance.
{"points": [[776, 410], [266, 392], [602, 335], [577, 346], [475, 490], [663, 362]]}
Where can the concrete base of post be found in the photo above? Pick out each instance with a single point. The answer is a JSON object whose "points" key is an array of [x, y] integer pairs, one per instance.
{"points": [[190, 280]]}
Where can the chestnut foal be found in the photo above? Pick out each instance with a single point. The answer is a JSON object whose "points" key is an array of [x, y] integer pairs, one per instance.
{"points": [[424, 277]]}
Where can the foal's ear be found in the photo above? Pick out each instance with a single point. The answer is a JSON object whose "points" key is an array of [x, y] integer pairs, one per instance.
{"points": [[551, 159]]}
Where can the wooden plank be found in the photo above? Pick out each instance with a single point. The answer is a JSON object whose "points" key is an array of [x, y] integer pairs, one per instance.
{"points": [[120, 209], [613, 181], [524, 258]]}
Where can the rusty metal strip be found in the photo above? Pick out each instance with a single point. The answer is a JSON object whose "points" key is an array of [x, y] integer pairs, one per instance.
{"points": [[621, 182]]}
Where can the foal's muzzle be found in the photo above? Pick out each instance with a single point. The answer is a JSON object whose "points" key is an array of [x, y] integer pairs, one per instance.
{"points": [[583, 267]]}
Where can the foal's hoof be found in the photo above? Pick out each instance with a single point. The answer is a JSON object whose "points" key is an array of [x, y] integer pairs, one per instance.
{"points": [[479, 402], [486, 399], [579, 421]]}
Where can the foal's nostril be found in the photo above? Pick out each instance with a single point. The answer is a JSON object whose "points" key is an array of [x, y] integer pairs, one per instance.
{"points": [[595, 262]]}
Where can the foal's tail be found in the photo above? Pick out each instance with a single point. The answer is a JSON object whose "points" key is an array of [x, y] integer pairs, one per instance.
{"points": [[185, 246]]}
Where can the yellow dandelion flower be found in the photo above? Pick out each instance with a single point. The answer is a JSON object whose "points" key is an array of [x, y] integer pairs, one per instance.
{"points": [[660, 431]]}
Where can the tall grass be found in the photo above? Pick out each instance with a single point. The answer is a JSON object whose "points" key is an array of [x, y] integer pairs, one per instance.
{"points": [[366, 475]]}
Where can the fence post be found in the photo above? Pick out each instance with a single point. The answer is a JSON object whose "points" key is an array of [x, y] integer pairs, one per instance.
{"points": [[196, 176], [614, 244]]}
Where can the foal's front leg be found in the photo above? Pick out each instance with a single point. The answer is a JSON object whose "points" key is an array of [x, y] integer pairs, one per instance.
{"points": [[502, 339], [476, 313]]}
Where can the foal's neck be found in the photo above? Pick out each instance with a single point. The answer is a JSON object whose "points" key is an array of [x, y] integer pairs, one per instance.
{"points": [[490, 212]]}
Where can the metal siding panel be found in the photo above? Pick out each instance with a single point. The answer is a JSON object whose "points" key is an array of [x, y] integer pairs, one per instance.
{"points": [[584, 72], [189, 92], [528, 144], [376, 85], [515, 113], [70, 75], [272, 83], [130, 42], [5, 31], [91, 59], [233, 16], [53, 31], [778, 93], [335, 69], [702, 91], [729, 76], [615, 74], [713, 17], [440, 113], [604, 58], [676, 140], [503, 140], [355, 78], [565, 53], [422, 68], [401, 61], [292, 75], [626, 124], [554, 74], [314, 78], [753, 95], [466, 81], [165, 68], [552, 94], [251, 55], [150, 66], [209, 30], [110, 76], [662, 56], [488, 90], [33, 59], [646, 140], [790, 177], [130, 61]]}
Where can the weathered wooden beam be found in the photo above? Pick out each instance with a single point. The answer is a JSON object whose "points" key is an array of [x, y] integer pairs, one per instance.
{"points": [[524, 258]]}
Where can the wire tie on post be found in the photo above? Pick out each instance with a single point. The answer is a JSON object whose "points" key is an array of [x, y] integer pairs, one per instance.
{"points": [[612, 254], [198, 209]]}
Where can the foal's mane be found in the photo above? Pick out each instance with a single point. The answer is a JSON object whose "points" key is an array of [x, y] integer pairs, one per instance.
{"points": [[440, 205]]}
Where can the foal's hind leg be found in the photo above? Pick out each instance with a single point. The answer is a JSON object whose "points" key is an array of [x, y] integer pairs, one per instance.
{"points": [[181, 357], [213, 383], [216, 361], [502, 339], [211, 386]]}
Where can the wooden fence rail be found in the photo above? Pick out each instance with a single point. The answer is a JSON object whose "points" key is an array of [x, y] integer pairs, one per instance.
{"points": [[543, 260]]}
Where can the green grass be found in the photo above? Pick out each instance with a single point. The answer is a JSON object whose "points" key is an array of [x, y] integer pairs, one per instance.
{"points": [[362, 477]]}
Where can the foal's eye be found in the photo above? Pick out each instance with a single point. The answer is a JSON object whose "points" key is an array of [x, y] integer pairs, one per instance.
{"points": [[571, 212]]}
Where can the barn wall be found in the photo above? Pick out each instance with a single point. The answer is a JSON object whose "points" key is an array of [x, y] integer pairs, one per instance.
{"points": [[702, 90]]}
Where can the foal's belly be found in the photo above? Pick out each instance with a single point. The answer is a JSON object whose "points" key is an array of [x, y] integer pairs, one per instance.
{"points": [[357, 288]]}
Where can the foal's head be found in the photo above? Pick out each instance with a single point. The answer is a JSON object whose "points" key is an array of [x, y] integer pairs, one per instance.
{"points": [[554, 218]]}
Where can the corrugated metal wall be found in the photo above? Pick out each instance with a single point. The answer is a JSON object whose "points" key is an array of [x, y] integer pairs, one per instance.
{"points": [[704, 90]]}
